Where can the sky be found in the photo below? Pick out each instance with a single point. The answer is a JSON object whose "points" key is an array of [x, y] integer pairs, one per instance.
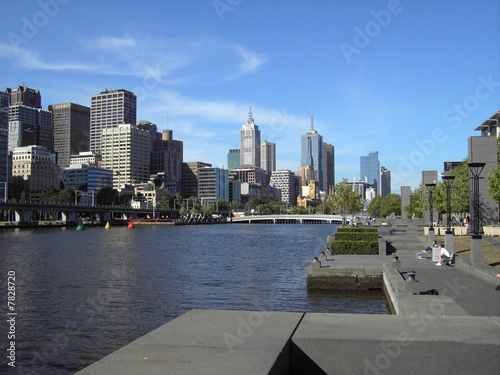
{"points": [[410, 79]]}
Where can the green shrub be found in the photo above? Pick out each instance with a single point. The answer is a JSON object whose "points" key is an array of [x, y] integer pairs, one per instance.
{"points": [[356, 236], [354, 247], [356, 229]]}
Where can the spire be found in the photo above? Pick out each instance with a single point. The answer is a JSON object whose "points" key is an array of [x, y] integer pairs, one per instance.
{"points": [[250, 116], [167, 120], [312, 121]]}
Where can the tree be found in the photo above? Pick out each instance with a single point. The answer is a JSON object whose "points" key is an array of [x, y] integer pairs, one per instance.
{"points": [[107, 196], [182, 211], [49, 194], [415, 208], [494, 184], [163, 203], [345, 200], [375, 207], [66, 196]]}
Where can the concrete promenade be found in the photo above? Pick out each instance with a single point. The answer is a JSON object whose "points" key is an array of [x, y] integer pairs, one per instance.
{"points": [[456, 331]]}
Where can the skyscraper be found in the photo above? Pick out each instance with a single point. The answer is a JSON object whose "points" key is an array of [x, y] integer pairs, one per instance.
{"points": [[370, 170], [385, 181], [285, 181], [30, 126], [23, 95], [233, 158], [312, 153], [109, 109], [126, 150], [250, 143], [329, 167], [213, 184], [4, 126], [71, 131], [268, 156]]}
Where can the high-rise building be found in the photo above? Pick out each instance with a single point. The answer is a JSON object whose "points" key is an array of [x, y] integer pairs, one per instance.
{"points": [[23, 95], [30, 126], [71, 131], [126, 150], [33, 168], [268, 156], [385, 181], [250, 143], [370, 170], [312, 153], [285, 181], [233, 158], [329, 167], [109, 109], [4, 141], [213, 184], [166, 155], [190, 178], [86, 177]]}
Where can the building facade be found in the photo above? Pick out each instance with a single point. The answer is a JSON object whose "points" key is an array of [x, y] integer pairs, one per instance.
{"points": [[370, 170], [312, 153], [233, 158], [71, 124], [30, 126], [250, 143], [268, 156], [385, 181], [284, 180], [87, 178], [213, 184], [109, 109], [86, 157], [126, 150], [4, 142], [33, 168], [329, 167], [23, 95], [190, 173]]}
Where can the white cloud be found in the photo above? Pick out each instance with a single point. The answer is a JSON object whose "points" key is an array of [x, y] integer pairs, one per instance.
{"points": [[115, 43]]}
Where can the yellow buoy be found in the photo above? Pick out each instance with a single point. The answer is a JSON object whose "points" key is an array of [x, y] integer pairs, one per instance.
{"points": [[107, 225]]}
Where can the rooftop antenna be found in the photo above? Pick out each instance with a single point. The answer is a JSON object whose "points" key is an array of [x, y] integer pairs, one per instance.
{"points": [[167, 120], [312, 120], [250, 115]]}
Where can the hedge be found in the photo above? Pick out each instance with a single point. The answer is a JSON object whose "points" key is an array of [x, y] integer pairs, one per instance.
{"points": [[356, 236], [354, 247], [356, 229]]}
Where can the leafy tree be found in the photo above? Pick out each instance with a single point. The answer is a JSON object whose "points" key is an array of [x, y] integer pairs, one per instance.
{"points": [[23, 196], [66, 196], [375, 207], [345, 200], [494, 184], [391, 204], [163, 203], [299, 211], [107, 196], [208, 209], [183, 211], [49, 194], [415, 208]]}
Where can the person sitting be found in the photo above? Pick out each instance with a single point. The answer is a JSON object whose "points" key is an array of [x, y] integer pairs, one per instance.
{"points": [[427, 249], [442, 252]]}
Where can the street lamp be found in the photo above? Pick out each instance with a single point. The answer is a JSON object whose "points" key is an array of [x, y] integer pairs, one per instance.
{"points": [[431, 186], [475, 170], [448, 181]]}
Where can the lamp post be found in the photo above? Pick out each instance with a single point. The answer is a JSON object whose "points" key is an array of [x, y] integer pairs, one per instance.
{"points": [[475, 229], [432, 234], [449, 240]]}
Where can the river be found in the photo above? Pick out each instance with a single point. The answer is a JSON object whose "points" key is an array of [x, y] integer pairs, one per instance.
{"points": [[80, 295]]}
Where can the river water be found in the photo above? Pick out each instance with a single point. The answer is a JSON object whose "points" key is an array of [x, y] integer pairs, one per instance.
{"points": [[81, 295]]}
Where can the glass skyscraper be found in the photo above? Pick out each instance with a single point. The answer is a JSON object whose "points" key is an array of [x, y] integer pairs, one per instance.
{"points": [[370, 170], [312, 153]]}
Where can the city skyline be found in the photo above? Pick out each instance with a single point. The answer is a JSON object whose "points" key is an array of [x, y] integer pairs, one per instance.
{"points": [[375, 83]]}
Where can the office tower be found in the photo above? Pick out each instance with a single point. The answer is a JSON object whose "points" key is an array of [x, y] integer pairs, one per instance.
{"points": [[312, 153], [385, 181], [87, 177], [166, 155], [126, 150], [109, 109], [71, 131], [86, 157], [285, 181], [190, 178], [329, 167], [4, 141], [33, 168], [250, 143], [233, 158], [484, 149], [268, 156], [29, 126], [213, 184], [23, 95], [370, 170]]}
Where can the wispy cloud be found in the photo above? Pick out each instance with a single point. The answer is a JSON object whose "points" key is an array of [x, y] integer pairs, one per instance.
{"points": [[115, 43]]}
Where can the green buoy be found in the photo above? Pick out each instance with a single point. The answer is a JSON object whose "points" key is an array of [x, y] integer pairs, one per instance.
{"points": [[80, 225]]}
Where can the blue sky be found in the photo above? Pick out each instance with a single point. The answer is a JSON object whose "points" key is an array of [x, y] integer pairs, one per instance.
{"points": [[409, 79]]}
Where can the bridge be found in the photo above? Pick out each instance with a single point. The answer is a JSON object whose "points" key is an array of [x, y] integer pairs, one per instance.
{"points": [[289, 219], [25, 212]]}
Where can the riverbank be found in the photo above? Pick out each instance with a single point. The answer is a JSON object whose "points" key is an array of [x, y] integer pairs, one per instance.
{"points": [[457, 329]]}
